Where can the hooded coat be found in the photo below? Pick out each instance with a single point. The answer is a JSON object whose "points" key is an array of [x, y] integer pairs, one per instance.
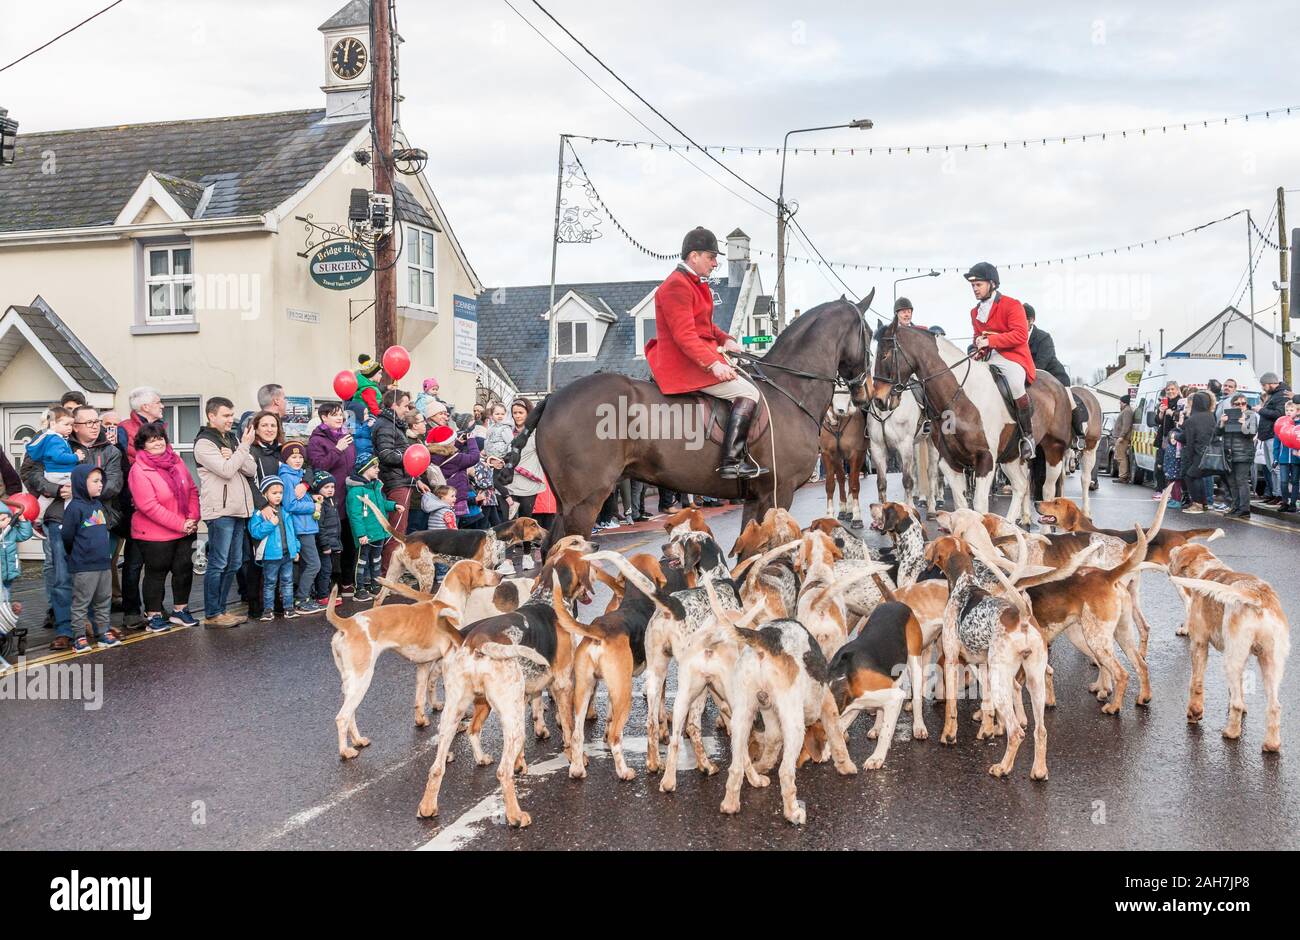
{"points": [[299, 509], [85, 525], [360, 518], [323, 453], [455, 460], [19, 530]]}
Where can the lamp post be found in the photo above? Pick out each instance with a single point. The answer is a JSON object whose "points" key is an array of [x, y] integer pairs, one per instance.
{"points": [[859, 124], [912, 278]]}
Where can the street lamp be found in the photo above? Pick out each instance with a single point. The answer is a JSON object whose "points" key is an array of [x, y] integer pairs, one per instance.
{"points": [[912, 278], [8, 137], [859, 124]]}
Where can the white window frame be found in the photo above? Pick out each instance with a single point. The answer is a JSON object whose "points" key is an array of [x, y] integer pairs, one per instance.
{"points": [[172, 417], [641, 339], [571, 322], [177, 283], [413, 234]]}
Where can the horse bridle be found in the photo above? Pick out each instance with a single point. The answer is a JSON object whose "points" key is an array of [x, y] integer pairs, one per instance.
{"points": [[898, 388], [859, 381]]}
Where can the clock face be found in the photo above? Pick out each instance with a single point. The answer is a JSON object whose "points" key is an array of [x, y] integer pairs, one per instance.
{"points": [[348, 58]]}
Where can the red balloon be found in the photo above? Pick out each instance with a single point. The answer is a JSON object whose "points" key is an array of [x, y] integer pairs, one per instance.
{"points": [[416, 459], [345, 385], [397, 362], [26, 504]]}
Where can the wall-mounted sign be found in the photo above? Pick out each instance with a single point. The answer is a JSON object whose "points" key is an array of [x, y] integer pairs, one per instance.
{"points": [[341, 265], [464, 333], [1133, 377], [303, 316], [297, 415]]}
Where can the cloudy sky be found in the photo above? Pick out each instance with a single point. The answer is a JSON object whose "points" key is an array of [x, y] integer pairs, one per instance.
{"points": [[487, 97]]}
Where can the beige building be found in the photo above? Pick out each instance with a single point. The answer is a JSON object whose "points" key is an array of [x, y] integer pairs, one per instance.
{"points": [[172, 255]]}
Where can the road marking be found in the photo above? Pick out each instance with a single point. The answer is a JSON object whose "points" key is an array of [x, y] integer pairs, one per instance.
{"points": [[73, 654], [492, 808], [298, 820]]}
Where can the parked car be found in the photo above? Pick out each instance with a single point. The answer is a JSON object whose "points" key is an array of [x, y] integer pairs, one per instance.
{"points": [[1106, 446]]}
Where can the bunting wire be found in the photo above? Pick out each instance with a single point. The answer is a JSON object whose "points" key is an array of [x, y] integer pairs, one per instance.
{"points": [[1130, 133]]}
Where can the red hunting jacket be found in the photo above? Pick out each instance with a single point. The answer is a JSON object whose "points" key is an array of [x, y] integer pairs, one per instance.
{"points": [[1007, 320], [686, 339]]}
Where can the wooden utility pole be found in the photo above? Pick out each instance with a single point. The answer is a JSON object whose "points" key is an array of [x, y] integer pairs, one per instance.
{"points": [[381, 117], [1283, 276]]}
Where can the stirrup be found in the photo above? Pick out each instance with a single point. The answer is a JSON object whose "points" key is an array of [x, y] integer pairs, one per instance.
{"points": [[746, 468]]}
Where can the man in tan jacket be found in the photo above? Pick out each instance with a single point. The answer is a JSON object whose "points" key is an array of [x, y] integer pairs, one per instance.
{"points": [[1123, 437], [225, 503]]}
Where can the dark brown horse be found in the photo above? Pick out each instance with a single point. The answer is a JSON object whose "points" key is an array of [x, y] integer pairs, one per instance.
{"points": [[601, 427], [844, 441], [971, 424]]}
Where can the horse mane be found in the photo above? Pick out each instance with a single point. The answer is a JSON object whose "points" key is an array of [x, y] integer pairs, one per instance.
{"points": [[793, 334]]}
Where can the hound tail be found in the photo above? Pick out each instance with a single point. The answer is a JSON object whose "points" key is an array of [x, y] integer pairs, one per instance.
{"points": [[382, 519], [503, 651], [640, 582], [566, 619], [1223, 593], [1060, 574], [1133, 558], [724, 616], [397, 587]]}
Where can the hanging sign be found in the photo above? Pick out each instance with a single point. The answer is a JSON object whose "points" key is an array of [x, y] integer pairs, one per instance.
{"points": [[464, 333], [341, 265]]}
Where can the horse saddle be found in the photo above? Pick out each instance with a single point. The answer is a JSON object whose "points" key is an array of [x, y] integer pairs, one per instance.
{"points": [[713, 412]]}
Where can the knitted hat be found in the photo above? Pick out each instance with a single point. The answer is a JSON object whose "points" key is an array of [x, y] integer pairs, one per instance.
{"points": [[442, 434], [1268, 378], [433, 407], [268, 482], [431, 382], [1124, 399], [368, 366], [319, 479], [292, 447], [364, 464]]}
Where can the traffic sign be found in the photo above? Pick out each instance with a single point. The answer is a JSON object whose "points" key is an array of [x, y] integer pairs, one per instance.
{"points": [[748, 340]]}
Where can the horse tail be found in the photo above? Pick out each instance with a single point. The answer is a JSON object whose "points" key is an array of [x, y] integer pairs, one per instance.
{"points": [[507, 473]]}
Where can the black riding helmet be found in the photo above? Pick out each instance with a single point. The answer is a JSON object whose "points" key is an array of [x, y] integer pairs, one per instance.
{"points": [[983, 271], [937, 330], [699, 239], [902, 303]]}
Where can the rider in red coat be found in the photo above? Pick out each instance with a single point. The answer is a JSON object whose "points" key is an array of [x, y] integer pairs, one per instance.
{"points": [[684, 354], [1002, 338]]}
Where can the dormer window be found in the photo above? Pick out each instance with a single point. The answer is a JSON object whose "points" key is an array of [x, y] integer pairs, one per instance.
{"points": [[571, 338]]}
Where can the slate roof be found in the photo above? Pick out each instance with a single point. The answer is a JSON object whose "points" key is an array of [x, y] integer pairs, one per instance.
{"points": [[409, 208], [511, 329], [354, 13], [187, 193], [64, 345], [254, 161]]}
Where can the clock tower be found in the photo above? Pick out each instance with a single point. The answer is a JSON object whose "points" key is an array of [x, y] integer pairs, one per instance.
{"points": [[347, 62]]}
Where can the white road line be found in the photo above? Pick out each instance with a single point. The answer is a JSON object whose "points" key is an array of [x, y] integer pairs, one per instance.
{"points": [[491, 808], [298, 820]]}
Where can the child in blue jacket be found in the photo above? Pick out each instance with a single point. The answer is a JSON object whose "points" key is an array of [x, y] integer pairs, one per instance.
{"points": [[304, 514], [277, 549], [86, 540]]}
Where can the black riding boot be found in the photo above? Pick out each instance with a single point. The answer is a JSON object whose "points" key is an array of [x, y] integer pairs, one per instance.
{"points": [[736, 463], [1078, 418], [1025, 418]]}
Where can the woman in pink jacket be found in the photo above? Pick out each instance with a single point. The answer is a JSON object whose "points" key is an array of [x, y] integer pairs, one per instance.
{"points": [[165, 520]]}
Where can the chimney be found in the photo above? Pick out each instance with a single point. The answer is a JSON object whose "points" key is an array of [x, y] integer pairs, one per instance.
{"points": [[737, 257]]}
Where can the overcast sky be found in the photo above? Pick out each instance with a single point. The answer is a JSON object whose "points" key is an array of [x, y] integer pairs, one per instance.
{"points": [[487, 97]]}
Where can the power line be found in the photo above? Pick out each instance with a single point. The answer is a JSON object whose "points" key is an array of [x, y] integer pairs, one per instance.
{"points": [[61, 35], [1128, 133], [1244, 281], [633, 116], [809, 242], [657, 112]]}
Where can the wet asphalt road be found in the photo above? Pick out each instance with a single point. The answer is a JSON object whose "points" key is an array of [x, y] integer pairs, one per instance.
{"points": [[226, 739]]}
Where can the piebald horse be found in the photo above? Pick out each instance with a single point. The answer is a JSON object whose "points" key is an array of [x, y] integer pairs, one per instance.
{"points": [[584, 450], [896, 427], [970, 423]]}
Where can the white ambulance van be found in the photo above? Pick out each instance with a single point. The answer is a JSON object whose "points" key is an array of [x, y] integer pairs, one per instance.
{"points": [[1187, 369]]}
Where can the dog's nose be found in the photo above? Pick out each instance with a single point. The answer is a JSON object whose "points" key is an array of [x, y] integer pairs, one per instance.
{"points": [[595, 546]]}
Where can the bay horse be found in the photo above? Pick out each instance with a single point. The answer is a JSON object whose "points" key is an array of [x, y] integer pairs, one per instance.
{"points": [[584, 454], [844, 439], [971, 425]]}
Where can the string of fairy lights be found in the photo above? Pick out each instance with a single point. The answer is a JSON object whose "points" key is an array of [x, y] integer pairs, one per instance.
{"points": [[907, 269], [1120, 134]]}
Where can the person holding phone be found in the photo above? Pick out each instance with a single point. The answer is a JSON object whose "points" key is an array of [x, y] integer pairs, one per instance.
{"points": [[1239, 425], [332, 448]]}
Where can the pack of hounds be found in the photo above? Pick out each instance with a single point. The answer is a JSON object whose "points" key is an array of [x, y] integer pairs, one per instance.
{"points": [[806, 628]]}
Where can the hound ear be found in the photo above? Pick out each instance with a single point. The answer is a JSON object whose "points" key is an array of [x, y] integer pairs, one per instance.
{"points": [[864, 304]]}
